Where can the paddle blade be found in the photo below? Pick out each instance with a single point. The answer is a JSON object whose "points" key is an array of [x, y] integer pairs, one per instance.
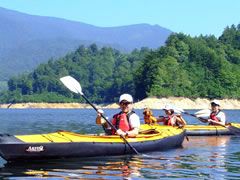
{"points": [[205, 113], [178, 110], [72, 84]]}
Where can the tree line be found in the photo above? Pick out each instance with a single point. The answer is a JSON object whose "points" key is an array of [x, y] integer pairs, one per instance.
{"points": [[203, 66]]}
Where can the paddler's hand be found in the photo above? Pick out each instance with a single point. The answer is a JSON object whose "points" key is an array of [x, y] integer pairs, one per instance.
{"points": [[100, 112], [211, 121], [99, 119], [214, 122], [121, 133]]}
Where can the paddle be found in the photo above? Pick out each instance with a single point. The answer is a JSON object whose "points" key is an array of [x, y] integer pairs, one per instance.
{"points": [[203, 115], [74, 86]]}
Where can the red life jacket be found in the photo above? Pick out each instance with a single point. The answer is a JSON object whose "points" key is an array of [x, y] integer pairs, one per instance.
{"points": [[213, 116], [121, 121]]}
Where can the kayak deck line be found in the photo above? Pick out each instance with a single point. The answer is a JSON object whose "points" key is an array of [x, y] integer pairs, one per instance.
{"points": [[66, 136], [59, 132]]}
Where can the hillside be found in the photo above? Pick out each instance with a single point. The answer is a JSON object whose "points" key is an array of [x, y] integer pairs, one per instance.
{"points": [[198, 67], [27, 41]]}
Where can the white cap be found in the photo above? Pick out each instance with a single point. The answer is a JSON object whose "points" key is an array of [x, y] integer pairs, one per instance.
{"points": [[168, 107], [126, 97], [215, 102]]}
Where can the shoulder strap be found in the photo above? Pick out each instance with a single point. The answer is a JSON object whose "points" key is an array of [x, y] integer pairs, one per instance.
{"points": [[128, 117], [218, 112], [117, 120]]}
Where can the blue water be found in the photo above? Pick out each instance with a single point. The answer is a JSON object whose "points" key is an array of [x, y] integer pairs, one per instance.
{"points": [[199, 158]]}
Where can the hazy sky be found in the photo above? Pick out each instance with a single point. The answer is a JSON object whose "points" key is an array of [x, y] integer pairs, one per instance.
{"points": [[192, 17]]}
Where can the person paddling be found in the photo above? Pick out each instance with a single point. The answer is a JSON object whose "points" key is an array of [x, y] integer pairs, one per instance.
{"points": [[171, 119], [127, 122], [217, 116]]}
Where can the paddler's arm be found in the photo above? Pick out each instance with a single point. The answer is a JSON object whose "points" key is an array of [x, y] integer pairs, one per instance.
{"points": [[217, 123], [181, 120], [131, 133], [160, 119], [103, 122], [99, 119]]}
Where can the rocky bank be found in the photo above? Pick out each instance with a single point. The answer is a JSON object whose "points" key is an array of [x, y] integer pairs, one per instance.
{"points": [[151, 102]]}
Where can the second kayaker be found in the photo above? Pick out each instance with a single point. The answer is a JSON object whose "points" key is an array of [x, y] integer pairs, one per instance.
{"points": [[217, 116]]}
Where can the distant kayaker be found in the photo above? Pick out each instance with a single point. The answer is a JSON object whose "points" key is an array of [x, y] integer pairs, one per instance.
{"points": [[217, 116], [148, 116], [127, 122], [171, 119]]}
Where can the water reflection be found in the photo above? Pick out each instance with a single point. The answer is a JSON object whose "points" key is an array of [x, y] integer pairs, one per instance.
{"points": [[207, 141], [102, 167], [212, 160]]}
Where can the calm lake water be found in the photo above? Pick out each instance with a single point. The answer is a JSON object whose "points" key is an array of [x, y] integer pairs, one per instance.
{"points": [[199, 158]]}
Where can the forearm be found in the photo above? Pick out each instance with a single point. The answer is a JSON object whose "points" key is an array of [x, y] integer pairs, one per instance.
{"points": [[103, 122], [160, 119], [133, 132], [217, 123]]}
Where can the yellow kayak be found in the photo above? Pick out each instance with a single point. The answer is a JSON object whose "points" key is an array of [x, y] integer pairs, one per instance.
{"points": [[207, 130], [64, 144]]}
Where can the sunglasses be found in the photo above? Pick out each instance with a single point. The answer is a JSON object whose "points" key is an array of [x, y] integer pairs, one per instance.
{"points": [[125, 103], [213, 104]]}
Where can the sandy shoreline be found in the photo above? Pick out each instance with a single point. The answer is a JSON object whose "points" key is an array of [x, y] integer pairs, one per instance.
{"points": [[152, 102]]}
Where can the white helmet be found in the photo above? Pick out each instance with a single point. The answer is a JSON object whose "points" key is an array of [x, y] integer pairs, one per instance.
{"points": [[126, 97]]}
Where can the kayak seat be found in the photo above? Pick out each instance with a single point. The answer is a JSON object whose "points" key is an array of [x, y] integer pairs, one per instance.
{"points": [[149, 131]]}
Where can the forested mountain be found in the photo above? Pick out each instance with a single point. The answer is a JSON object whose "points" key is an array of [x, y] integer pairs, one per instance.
{"points": [[26, 40], [187, 66], [193, 67]]}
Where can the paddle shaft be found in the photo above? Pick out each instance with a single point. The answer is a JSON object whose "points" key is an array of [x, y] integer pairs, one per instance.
{"points": [[112, 126]]}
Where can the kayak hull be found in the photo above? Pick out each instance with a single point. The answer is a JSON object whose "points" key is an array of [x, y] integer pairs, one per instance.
{"points": [[12, 149], [201, 131], [207, 130]]}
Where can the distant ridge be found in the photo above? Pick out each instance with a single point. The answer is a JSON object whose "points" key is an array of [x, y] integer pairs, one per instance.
{"points": [[27, 40]]}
